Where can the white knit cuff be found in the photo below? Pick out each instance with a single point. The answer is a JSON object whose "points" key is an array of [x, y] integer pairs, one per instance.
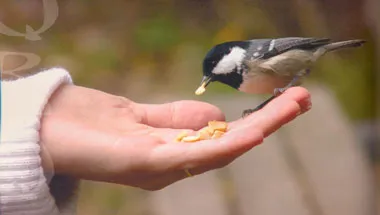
{"points": [[23, 187], [23, 101]]}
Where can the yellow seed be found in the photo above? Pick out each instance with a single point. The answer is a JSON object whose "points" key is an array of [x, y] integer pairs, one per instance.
{"points": [[200, 90], [217, 134], [207, 130], [205, 133], [215, 129], [191, 138], [218, 125], [181, 136]]}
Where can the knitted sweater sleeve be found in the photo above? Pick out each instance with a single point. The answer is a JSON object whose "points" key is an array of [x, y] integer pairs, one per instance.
{"points": [[23, 186]]}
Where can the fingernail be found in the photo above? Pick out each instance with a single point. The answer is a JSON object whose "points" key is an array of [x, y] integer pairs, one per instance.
{"points": [[308, 104], [309, 107]]}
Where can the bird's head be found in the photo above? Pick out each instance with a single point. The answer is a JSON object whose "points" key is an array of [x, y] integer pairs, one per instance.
{"points": [[223, 63]]}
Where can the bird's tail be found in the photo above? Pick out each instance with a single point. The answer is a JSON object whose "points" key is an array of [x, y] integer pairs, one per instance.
{"points": [[343, 44]]}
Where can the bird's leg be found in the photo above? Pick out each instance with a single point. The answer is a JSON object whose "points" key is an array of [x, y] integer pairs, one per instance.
{"points": [[276, 92], [249, 111], [293, 82], [279, 91]]}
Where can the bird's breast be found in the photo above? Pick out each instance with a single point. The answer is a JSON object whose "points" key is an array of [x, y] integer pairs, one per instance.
{"points": [[262, 83]]}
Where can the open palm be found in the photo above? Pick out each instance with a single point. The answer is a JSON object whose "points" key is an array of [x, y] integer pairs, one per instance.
{"points": [[98, 136]]}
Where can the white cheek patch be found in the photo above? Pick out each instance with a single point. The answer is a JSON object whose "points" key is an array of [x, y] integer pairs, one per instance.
{"points": [[229, 62]]}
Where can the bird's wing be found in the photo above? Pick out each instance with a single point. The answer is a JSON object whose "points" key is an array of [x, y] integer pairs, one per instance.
{"points": [[266, 48]]}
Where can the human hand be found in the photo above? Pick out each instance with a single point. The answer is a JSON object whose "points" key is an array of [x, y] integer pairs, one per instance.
{"points": [[97, 136]]}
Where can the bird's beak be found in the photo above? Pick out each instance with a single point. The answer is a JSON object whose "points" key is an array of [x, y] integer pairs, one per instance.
{"points": [[201, 89]]}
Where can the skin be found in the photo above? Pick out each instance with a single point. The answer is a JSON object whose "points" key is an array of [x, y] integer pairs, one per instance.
{"points": [[93, 135]]}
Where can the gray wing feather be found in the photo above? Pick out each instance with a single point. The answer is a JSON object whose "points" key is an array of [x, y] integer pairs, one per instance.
{"points": [[267, 48]]}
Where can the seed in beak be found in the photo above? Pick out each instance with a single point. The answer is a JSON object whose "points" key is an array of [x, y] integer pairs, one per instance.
{"points": [[205, 81], [200, 90]]}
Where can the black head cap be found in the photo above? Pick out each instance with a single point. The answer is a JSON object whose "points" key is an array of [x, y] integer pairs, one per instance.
{"points": [[213, 57]]}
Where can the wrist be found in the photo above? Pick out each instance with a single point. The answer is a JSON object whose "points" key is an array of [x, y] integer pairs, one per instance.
{"points": [[70, 139]]}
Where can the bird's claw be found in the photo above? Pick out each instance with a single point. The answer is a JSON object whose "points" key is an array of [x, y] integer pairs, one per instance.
{"points": [[248, 112], [276, 92], [260, 106], [279, 91]]}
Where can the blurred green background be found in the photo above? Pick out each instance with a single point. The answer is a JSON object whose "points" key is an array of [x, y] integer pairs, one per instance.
{"points": [[135, 48]]}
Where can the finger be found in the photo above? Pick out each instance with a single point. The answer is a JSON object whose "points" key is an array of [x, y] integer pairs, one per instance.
{"points": [[278, 112], [282, 110], [181, 114]]}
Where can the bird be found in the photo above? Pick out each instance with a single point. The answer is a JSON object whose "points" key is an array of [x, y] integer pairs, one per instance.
{"points": [[266, 66]]}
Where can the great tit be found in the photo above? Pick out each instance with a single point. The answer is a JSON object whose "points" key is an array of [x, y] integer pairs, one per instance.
{"points": [[264, 66]]}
